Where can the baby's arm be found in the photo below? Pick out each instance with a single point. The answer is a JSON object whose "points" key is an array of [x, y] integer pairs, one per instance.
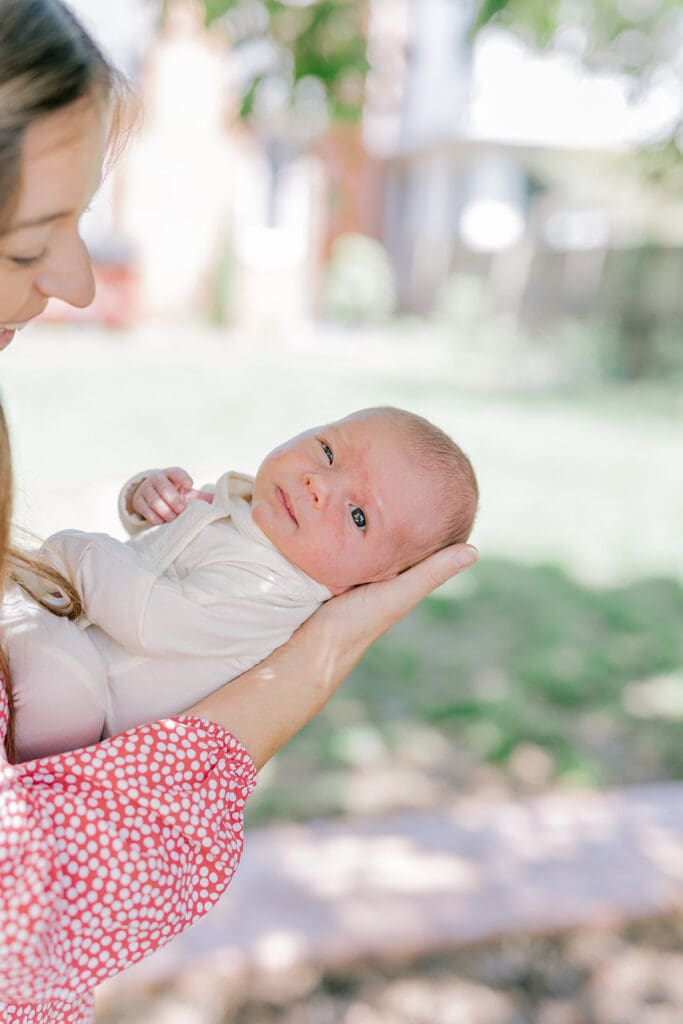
{"points": [[156, 496], [214, 610]]}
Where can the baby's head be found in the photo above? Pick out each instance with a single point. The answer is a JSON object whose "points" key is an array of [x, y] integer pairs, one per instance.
{"points": [[361, 499]]}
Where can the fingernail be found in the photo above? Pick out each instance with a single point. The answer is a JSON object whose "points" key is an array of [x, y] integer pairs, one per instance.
{"points": [[468, 556]]}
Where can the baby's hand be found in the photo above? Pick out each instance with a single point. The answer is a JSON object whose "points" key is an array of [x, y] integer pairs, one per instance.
{"points": [[162, 496]]}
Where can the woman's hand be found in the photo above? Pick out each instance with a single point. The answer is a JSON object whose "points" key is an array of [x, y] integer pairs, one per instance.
{"points": [[267, 705], [364, 613]]}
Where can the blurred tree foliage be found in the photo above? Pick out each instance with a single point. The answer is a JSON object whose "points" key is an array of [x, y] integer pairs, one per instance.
{"points": [[637, 38], [323, 41]]}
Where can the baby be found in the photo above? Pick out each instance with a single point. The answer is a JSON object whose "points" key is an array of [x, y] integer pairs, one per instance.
{"points": [[178, 610]]}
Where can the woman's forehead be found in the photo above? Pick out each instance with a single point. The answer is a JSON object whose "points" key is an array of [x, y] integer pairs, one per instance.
{"points": [[61, 162]]}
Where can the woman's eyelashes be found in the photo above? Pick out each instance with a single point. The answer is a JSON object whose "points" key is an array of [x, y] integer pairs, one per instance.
{"points": [[328, 451], [25, 261]]}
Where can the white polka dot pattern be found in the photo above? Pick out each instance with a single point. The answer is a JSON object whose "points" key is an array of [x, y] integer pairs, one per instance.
{"points": [[109, 852]]}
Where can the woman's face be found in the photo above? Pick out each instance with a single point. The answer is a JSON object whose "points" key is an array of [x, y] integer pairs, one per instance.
{"points": [[41, 251]]}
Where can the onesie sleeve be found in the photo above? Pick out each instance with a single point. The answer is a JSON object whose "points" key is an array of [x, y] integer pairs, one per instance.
{"points": [[216, 610], [110, 851]]}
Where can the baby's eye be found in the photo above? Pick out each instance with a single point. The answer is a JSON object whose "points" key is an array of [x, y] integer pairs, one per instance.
{"points": [[328, 451], [358, 516]]}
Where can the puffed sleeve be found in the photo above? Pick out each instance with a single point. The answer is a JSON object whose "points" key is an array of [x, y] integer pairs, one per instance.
{"points": [[110, 851]]}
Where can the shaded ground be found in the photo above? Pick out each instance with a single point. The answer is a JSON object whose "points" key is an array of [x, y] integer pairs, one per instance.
{"points": [[332, 897], [630, 976]]}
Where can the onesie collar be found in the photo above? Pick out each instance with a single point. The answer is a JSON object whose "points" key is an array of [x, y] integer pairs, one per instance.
{"points": [[233, 496]]}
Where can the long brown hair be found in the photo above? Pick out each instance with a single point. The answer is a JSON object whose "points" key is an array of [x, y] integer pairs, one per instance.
{"points": [[47, 61], [5, 525], [20, 567]]}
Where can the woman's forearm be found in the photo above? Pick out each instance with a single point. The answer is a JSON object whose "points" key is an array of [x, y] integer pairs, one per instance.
{"points": [[268, 705]]}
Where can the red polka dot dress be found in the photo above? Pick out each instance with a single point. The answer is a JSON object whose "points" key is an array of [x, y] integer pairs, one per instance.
{"points": [[107, 853]]}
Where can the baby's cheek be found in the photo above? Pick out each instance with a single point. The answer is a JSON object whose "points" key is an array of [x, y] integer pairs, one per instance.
{"points": [[320, 557], [320, 551]]}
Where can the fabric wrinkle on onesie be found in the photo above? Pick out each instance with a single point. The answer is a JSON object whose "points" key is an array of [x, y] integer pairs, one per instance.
{"points": [[59, 680], [170, 615], [206, 549]]}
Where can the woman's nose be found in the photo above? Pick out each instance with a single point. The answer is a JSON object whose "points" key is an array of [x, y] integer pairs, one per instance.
{"points": [[69, 276]]}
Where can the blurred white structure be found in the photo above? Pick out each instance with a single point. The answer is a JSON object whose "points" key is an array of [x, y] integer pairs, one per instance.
{"points": [[462, 127], [123, 29], [212, 210], [209, 221], [521, 97], [276, 259], [179, 176], [492, 215]]}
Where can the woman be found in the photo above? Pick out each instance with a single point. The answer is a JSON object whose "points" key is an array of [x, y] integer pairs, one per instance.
{"points": [[108, 852]]}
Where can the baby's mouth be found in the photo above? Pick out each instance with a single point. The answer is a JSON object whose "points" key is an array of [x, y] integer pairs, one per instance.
{"points": [[284, 500]]}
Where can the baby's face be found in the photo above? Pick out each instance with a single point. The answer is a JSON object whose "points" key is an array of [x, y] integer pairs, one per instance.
{"points": [[345, 502]]}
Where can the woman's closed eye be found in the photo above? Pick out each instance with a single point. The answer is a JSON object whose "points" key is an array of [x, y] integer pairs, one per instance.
{"points": [[328, 451], [358, 516], [25, 261]]}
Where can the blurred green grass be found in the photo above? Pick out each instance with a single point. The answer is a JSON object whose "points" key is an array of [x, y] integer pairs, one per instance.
{"points": [[527, 680], [558, 660]]}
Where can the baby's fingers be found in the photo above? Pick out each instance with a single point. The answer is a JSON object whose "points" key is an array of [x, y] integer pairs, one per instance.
{"points": [[180, 477], [168, 492], [161, 497], [199, 496], [155, 510]]}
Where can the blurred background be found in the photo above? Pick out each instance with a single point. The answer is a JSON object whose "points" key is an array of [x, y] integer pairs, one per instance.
{"points": [[475, 211]]}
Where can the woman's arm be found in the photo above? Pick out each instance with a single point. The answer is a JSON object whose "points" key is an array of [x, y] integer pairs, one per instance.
{"points": [[268, 705]]}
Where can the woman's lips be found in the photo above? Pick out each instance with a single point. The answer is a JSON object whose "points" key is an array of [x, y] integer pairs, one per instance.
{"points": [[284, 501], [7, 332]]}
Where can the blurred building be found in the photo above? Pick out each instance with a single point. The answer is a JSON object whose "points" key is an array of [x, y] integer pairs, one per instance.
{"points": [[485, 160], [508, 165]]}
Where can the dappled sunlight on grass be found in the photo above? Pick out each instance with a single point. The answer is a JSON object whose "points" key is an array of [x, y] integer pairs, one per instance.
{"points": [[526, 681]]}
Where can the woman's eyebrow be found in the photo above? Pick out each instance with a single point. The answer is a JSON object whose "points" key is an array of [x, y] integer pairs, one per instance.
{"points": [[35, 222]]}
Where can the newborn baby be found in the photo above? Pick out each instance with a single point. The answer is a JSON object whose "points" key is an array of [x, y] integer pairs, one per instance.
{"points": [[182, 608]]}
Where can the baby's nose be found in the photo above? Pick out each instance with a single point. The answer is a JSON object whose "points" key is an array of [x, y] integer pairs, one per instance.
{"points": [[316, 489]]}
